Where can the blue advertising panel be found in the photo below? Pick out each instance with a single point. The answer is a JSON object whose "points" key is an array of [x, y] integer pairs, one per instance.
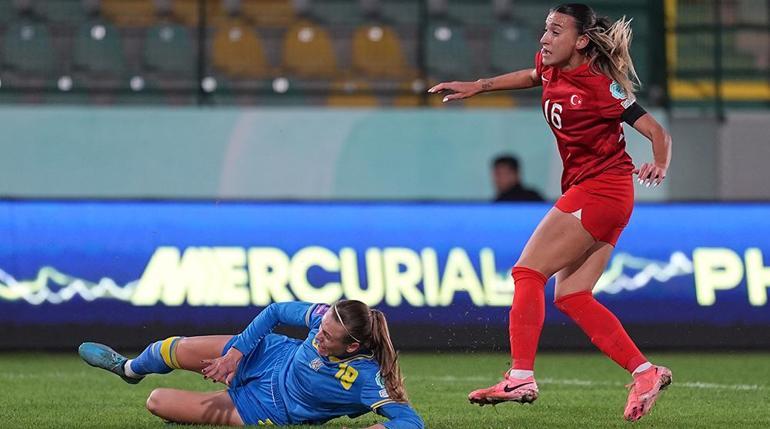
{"points": [[206, 263]]}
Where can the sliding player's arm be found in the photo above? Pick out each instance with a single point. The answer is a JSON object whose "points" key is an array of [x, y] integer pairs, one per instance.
{"points": [[400, 416], [284, 313], [375, 396]]}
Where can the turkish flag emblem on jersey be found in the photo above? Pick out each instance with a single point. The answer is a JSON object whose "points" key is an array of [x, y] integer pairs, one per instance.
{"points": [[575, 100]]}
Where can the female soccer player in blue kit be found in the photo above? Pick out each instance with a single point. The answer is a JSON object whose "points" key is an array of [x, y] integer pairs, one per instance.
{"points": [[346, 366]]}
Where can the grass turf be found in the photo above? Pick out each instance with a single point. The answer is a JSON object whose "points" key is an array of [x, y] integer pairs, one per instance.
{"points": [[576, 390]]}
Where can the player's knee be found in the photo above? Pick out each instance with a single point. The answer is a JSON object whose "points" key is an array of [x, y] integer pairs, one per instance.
{"points": [[155, 401]]}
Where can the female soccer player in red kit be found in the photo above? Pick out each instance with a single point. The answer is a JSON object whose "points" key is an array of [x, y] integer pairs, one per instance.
{"points": [[585, 69]]}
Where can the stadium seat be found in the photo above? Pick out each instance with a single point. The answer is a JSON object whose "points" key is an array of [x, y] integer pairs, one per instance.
{"points": [[8, 12], [447, 55], [337, 12], [27, 48], [238, 51], [478, 13], [186, 12], [512, 47], [61, 11], [169, 49], [377, 53], [308, 51], [98, 48], [129, 13], [269, 13], [407, 100], [401, 12]]}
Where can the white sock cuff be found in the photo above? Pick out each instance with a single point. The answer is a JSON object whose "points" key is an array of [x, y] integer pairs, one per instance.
{"points": [[521, 373], [127, 370], [643, 367]]}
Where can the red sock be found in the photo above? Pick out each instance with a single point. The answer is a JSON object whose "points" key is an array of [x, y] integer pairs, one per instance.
{"points": [[525, 320], [602, 327]]}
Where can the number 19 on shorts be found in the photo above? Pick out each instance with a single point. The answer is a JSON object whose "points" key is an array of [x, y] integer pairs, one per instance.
{"points": [[552, 113]]}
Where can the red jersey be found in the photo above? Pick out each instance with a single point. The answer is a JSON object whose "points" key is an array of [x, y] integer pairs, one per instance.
{"points": [[583, 109]]}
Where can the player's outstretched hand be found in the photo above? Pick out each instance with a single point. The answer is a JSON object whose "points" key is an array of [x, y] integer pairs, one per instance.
{"points": [[222, 369], [650, 174], [456, 90]]}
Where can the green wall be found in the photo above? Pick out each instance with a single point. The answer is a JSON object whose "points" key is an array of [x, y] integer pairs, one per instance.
{"points": [[292, 153]]}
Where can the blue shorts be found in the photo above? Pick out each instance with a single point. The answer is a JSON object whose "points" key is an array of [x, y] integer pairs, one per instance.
{"points": [[254, 389]]}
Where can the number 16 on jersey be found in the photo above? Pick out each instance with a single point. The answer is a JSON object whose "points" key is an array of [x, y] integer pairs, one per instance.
{"points": [[552, 113]]}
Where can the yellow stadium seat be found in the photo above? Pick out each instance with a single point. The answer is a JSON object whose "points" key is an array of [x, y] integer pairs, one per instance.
{"points": [[407, 101], [238, 51], [269, 13], [129, 13], [186, 11], [377, 53], [308, 51]]}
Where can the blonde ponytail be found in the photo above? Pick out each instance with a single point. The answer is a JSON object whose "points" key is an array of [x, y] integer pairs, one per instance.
{"points": [[611, 53]]}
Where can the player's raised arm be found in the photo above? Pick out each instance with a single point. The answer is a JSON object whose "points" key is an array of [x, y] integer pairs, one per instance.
{"points": [[521, 79], [284, 313], [653, 173]]}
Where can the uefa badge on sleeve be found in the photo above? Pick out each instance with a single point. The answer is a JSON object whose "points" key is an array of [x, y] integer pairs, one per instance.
{"points": [[617, 91]]}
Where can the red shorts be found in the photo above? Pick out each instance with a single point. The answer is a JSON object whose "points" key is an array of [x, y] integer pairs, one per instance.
{"points": [[603, 204]]}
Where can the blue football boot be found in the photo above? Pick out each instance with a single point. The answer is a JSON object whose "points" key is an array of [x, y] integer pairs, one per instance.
{"points": [[101, 356]]}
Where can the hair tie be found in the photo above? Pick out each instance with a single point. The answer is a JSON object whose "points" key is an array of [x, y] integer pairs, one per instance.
{"points": [[343, 324]]}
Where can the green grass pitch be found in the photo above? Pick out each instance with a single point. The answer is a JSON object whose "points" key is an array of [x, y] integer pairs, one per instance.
{"points": [[717, 390]]}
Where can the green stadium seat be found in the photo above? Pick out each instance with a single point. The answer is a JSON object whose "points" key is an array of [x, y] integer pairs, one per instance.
{"points": [[169, 49], [8, 12], [98, 48], [512, 47], [447, 55], [337, 12], [27, 48], [401, 12], [69, 12], [471, 12]]}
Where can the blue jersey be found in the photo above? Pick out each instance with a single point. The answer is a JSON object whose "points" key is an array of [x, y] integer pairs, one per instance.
{"points": [[313, 388]]}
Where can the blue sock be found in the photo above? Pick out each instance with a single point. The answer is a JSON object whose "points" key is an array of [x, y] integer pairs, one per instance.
{"points": [[158, 358]]}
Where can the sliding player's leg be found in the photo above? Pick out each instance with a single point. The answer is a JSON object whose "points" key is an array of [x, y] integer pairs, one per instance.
{"points": [[181, 406], [160, 357]]}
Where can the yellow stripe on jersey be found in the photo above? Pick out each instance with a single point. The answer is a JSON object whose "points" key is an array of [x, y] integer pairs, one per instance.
{"points": [[381, 403], [168, 352]]}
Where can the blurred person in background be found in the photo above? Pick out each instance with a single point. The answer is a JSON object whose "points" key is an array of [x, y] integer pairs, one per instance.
{"points": [[347, 366], [506, 175], [588, 78]]}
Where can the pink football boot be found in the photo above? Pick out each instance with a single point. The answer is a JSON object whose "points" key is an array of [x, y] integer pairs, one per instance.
{"points": [[509, 390], [645, 389]]}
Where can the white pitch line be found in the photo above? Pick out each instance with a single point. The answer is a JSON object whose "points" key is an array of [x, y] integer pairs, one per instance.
{"points": [[579, 382]]}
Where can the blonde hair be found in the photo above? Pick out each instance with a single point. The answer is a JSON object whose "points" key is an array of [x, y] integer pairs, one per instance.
{"points": [[609, 44]]}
